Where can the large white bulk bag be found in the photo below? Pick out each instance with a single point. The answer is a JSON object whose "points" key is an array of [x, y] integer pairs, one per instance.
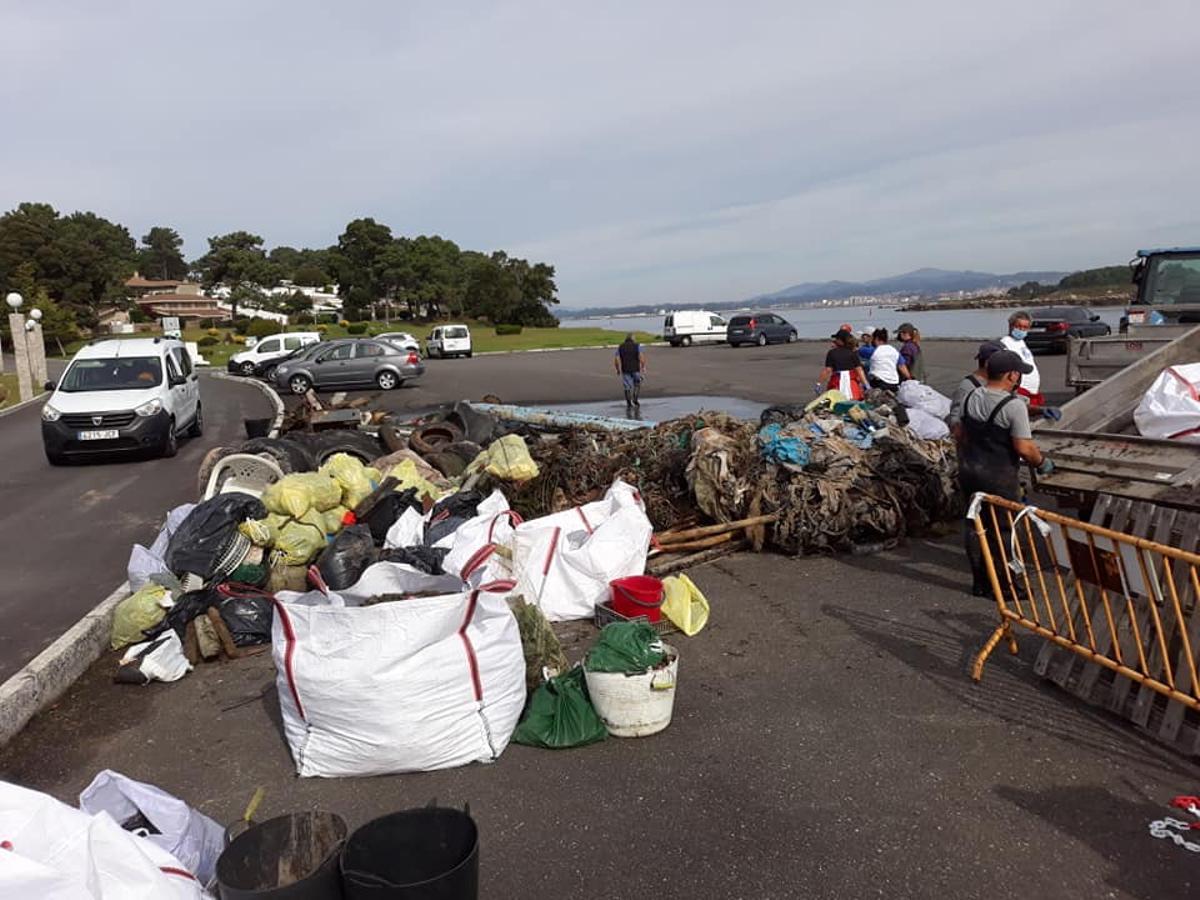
{"points": [[52, 851], [916, 395], [1170, 409], [563, 563], [401, 686]]}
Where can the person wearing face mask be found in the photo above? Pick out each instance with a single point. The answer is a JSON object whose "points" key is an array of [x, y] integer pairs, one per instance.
{"points": [[1031, 383], [995, 437]]}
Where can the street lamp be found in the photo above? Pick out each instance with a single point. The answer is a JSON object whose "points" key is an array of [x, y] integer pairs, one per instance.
{"points": [[35, 314], [14, 300]]}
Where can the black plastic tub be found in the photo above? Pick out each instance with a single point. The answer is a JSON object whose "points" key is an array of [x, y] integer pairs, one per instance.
{"points": [[417, 854], [293, 857]]}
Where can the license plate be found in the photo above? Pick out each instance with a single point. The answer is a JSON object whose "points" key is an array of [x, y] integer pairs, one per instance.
{"points": [[1137, 318], [106, 435]]}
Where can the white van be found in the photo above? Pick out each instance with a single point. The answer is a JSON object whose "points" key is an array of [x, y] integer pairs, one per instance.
{"points": [[693, 326], [449, 340], [256, 360], [121, 397]]}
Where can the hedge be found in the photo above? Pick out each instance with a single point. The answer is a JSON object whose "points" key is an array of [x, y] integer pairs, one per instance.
{"points": [[502, 329]]}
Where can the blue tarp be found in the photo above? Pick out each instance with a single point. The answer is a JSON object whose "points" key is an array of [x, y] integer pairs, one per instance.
{"points": [[779, 448]]}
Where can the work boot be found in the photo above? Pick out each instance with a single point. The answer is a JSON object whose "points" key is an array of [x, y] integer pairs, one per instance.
{"points": [[628, 402]]}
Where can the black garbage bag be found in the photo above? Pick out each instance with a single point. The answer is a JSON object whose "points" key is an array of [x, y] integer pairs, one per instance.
{"points": [[248, 613], [781, 414], [440, 528], [186, 608], [200, 540], [464, 505], [426, 559], [390, 508], [341, 564]]}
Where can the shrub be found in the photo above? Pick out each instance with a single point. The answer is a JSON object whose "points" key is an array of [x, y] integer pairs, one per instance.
{"points": [[261, 328], [503, 329], [213, 332], [322, 329], [344, 323], [238, 339], [241, 324], [208, 341], [356, 328]]}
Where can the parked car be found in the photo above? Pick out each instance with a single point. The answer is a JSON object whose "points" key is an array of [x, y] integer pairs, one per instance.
{"points": [[449, 340], [123, 396], [266, 369], [254, 360], [1051, 328], [350, 363], [694, 326], [402, 338], [759, 328]]}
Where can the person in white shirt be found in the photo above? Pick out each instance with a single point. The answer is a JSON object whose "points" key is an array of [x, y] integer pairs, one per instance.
{"points": [[886, 368], [1031, 383]]}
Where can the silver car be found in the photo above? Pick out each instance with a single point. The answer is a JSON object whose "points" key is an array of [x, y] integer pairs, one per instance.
{"points": [[350, 364]]}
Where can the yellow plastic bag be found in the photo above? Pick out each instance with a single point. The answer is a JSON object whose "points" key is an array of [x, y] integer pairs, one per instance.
{"points": [[294, 495], [684, 605], [333, 519], [507, 459], [409, 477], [300, 539], [826, 401], [260, 532], [135, 614], [355, 481]]}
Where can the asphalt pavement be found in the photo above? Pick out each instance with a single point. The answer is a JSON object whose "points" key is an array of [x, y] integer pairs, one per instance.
{"points": [[65, 532]]}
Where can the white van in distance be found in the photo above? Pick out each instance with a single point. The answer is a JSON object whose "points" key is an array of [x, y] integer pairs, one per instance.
{"points": [[256, 360], [449, 340], [693, 326]]}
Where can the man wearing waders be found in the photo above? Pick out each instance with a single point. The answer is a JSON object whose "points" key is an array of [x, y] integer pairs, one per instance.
{"points": [[995, 437], [630, 364]]}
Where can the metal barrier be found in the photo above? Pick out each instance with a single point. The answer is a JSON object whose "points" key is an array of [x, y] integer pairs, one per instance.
{"points": [[1120, 601]]}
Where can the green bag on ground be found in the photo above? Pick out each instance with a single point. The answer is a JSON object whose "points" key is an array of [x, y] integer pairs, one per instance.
{"points": [[135, 614], [560, 715], [627, 647]]}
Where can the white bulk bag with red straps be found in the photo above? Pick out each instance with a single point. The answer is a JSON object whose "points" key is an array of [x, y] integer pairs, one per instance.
{"points": [[472, 549], [400, 686], [1170, 409], [563, 563]]}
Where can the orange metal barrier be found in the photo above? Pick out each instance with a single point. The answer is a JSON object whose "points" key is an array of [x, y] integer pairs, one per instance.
{"points": [[1121, 601]]}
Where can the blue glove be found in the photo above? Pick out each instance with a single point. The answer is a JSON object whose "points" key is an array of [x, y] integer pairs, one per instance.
{"points": [[1047, 466], [818, 389], [1053, 413]]}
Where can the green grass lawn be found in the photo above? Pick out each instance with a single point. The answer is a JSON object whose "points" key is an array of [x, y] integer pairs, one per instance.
{"points": [[484, 338], [8, 390]]}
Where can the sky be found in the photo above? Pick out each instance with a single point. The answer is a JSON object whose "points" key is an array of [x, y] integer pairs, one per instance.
{"points": [[652, 152]]}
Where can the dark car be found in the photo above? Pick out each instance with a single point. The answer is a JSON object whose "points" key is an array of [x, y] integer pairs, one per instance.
{"points": [[759, 328], [348, 364], [1051, 328]]}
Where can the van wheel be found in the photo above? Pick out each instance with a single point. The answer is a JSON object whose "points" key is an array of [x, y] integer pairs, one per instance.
{"points": [[791, 337], [762, 340], [467, 354], [171, 443], [197, 428], [299, 384], [387, 381], [687, 341], [247, 369]]}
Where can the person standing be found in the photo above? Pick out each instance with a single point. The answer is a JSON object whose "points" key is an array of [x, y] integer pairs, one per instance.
{"points": [[843, 368], [866, 347], [910, 351], [630, 363], [995, 438], [976, 379], [1031, 384], [886, 369]]}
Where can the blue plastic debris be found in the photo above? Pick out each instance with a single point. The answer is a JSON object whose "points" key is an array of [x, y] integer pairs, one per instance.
{"points": [[778, 448]]}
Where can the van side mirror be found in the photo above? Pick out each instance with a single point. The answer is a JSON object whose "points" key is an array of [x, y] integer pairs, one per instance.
{"points": [[177, 380], [49, 386]]}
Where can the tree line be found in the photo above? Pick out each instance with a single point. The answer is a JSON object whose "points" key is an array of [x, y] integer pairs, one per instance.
{"points": [[75, 265], [1105, 276]]}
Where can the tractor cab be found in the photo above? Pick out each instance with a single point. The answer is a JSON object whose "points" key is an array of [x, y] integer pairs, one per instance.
{"points": [[1168, 289]]}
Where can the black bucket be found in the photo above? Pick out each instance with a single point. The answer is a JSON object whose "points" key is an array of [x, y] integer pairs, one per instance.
{"points": [[418, 854], [256, 428], [289, 858]]}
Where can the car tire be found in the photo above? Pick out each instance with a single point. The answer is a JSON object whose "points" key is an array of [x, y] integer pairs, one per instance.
{"points": [[791, 337], [358, 444], [468, 354], [291, 455], [762, 340], [246, 369], [686, 341], [1107, 331], [388, 380], [433, 438], [299, 384], [197, 426], [268, 374], [171, 442]]}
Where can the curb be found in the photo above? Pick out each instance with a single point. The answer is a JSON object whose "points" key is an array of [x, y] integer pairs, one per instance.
{"points": [[52, 672], [560, 349], [271, 395], [38, 398]]}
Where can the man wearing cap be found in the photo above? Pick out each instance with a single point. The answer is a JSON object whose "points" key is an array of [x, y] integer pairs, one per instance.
{"points": [[1031, 384], [843, 368], [995, 437], [976, 379]]}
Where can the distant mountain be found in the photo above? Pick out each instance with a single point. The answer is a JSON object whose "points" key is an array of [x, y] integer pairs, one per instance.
{"points": [[920, 282]]}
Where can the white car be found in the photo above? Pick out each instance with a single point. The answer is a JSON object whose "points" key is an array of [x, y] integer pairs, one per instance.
{"points": [[449, 340], [120, 397], [401, 339], [694, 326], [257, 360]]}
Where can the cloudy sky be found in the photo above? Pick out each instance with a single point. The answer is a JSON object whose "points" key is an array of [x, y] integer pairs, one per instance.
{"points": [[663, 151]]}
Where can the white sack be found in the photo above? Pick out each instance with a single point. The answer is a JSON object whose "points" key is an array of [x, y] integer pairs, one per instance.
{"points": [[145, 563], [915, 395], [1170, 409], [476, 539], [564, 562], [406, 531], [192, 838], [60, 853], [402, 686], [925, 425], [161, 659]]}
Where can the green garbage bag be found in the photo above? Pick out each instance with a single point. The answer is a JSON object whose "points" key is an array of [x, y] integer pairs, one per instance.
{"points": [[560, 715], [135, 614], [627, 647]]}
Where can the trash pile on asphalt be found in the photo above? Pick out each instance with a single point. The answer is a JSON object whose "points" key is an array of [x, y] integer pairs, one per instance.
{"points": [[413, 578]]}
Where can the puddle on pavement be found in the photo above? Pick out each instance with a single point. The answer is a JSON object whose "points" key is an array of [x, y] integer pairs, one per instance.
{"points": [[662, 409]]}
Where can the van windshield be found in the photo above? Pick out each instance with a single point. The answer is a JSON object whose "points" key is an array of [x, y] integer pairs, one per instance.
{"points": [[129, 373], [457, 331], [1173, 280]]}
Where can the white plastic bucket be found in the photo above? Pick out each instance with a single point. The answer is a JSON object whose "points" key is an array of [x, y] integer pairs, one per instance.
{"points": [[636, 705]]}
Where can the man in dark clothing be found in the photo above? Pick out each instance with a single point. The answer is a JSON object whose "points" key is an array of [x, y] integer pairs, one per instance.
{"points": [[976, 379], [995, 438], [630, 363]]}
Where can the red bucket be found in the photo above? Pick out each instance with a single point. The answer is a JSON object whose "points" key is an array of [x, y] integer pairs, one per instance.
{"points": [[638, 595]]}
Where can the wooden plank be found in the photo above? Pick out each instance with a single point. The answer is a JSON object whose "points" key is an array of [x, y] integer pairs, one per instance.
{"points": [[1162, 532], [1105, 637], [1186, 527], [1144, 520]]}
